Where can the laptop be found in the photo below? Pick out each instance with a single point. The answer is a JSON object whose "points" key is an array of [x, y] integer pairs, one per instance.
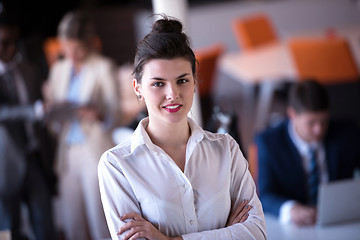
{"points": [[338, 202]]}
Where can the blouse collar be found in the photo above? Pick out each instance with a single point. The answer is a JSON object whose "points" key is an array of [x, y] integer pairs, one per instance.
{"points": [[141, 137]]}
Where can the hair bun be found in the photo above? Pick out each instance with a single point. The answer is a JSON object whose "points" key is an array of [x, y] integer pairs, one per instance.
{"points": [[167, 26]]}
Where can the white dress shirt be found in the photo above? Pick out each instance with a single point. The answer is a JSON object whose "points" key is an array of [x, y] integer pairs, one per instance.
{"points": [[304, 151], [138, 176]]}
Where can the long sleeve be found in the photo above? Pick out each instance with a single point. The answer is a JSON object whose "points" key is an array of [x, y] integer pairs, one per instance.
{"points": [[117, 195], [17, 113], [267, 182], [242, 187], [109, 95]]}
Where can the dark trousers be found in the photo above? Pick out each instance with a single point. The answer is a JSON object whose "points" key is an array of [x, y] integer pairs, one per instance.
{"points": [[36, 195]]}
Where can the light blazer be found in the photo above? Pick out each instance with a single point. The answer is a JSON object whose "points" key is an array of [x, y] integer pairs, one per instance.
{"points": [[281, 173], [100, 90]]}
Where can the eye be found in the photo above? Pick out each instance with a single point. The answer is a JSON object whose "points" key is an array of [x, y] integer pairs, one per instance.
{"points": [[182, 80], [157, 84]]}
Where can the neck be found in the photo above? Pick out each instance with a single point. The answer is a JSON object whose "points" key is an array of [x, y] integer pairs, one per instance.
{"points": [[77, 67], [168, 134]]}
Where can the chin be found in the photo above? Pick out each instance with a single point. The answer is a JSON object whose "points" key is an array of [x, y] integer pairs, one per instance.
{"points": [[175, 118], [315, 139]]}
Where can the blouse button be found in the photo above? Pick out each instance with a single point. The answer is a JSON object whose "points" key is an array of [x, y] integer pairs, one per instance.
{"points": [[192, 222]]}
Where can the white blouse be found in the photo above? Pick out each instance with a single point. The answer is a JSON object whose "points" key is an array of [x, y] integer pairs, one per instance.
{"points": [[138, 176]]}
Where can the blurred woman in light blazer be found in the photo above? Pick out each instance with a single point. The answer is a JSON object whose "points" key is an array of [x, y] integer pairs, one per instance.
{"points": [[82, 107]]}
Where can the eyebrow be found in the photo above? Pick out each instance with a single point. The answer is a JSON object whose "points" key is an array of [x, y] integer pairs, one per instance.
{"points": [[181, 76]]}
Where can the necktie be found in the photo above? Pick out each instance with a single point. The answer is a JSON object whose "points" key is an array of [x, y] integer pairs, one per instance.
{"points": [[313, 180]]}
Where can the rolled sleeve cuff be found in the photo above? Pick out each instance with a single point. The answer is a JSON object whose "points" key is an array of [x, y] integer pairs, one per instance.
{"points": [[285, 212]]}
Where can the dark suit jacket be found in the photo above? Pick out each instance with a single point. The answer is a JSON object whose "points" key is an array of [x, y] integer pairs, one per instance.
{"points": [[281, 173], [14, 116]]}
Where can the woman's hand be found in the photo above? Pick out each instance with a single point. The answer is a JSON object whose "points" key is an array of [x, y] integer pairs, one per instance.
{"points": [[140, 228], [240, 214], [88, 113]]}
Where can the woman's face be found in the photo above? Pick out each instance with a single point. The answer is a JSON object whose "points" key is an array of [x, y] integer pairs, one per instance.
{"points": [[167, 87], [75, 50]]}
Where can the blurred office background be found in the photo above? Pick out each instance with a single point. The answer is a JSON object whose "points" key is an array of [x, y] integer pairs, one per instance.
{"points": [[121, 23]]}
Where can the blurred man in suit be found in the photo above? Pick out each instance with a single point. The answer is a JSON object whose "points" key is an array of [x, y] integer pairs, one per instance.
{"points": [[302, 152], [27, 162]]}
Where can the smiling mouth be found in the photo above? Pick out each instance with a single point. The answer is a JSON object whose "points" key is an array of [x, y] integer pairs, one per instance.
{"points": [[173, 108]]}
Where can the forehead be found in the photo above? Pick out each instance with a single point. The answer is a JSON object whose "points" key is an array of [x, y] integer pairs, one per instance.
{"points": [[166, 68], [72, 41], [314, 116], [8, 32]]}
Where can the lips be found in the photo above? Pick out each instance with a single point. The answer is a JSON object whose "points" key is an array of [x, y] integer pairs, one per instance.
{"points": [[172, 107]]}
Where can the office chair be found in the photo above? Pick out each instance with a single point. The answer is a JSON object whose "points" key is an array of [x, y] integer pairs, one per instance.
{"points": [[328, 60], [254, 31], [52, 50], [207, 58], [253, 160]]}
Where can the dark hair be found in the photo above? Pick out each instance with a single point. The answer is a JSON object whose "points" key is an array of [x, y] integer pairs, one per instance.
{"points": [[308, 96], [165, 41], [77, 25], [9, 19]]}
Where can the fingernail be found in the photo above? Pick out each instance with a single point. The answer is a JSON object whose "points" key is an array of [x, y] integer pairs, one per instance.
{"points": [[243, 201]]}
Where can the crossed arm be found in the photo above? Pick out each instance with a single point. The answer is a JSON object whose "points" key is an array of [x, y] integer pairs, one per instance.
{"points": [[140, 228]]}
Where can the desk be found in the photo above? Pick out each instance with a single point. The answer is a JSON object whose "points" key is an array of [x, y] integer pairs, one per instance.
{"points": [[272, 64], [277, 231]]}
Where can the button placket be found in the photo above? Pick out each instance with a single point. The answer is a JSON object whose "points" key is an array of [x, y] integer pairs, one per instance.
{"points": [[190, 213]]}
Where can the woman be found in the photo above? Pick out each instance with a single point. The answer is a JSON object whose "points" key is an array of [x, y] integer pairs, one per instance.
{"points": [[173, 180], [83, 99]]}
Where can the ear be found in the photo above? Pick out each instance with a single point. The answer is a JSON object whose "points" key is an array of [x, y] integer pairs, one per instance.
{"points": [[136, 87], [291, 112], [195, 84]]}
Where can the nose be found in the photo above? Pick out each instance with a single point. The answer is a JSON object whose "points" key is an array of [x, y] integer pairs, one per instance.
{"points": [[172, 92], [319, 130]]}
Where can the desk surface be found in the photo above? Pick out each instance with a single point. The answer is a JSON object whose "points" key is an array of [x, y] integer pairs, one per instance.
{"points": [[272, 61], [277, 231]]}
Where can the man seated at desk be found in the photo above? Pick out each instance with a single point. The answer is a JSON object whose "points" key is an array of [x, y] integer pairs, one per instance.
{"points": [[302, 152]]}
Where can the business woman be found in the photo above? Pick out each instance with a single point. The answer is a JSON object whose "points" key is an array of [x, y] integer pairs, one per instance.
{"points": [[172, 179], [82, 93]]}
